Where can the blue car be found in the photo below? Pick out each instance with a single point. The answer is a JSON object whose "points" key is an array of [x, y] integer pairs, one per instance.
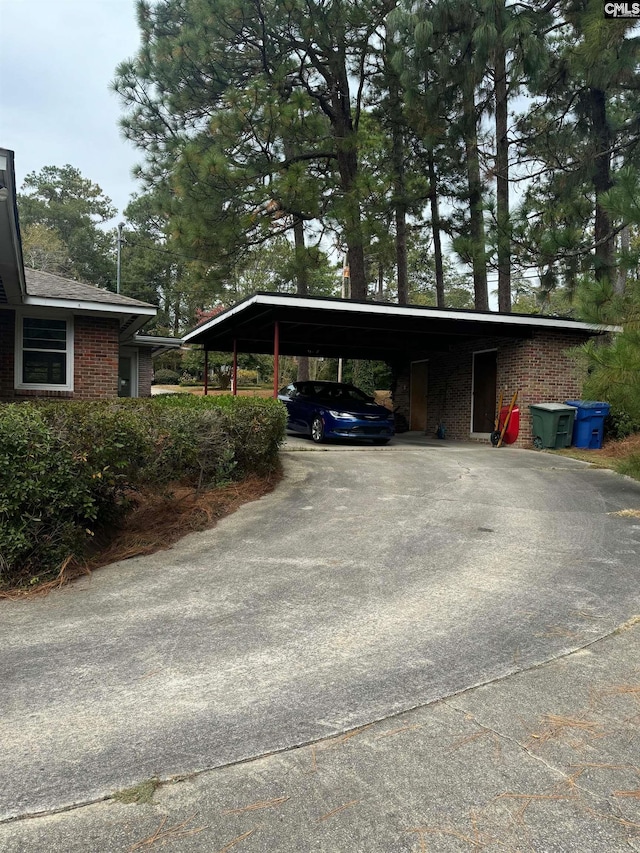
{"points": [[326, 410]]}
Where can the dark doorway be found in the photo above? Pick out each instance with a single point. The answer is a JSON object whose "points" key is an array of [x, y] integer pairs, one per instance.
{"points": [[484, 391], [124, 376], [418, 410]]}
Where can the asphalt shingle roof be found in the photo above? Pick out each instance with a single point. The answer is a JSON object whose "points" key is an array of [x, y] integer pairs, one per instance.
{"points": [[55, 287]]}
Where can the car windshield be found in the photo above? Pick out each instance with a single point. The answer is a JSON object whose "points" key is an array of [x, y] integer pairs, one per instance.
{"points": [[344, 393]]}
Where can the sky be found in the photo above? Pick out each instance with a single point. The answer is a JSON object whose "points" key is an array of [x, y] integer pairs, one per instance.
{"points": [[57, 59]]}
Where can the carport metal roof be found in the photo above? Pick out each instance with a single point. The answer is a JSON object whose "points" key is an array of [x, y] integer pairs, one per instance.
{"points": [[320, 326]]}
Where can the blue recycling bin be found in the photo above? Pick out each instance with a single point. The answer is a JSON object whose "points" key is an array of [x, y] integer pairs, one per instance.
{"points": [[588, 427]]}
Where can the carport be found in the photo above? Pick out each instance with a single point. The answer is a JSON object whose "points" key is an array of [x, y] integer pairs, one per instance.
{"points": [[449, 365]]}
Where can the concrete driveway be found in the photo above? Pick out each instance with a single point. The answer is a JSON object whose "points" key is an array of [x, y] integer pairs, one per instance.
{"points": [[370, 583]]}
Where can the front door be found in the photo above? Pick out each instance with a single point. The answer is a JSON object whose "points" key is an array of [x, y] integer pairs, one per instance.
{"points": [[484, 391], [124, 376], [418, 410], [128, 372]]}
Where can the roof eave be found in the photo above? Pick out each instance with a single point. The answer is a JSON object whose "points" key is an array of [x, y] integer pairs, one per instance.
{"points": [[156, 343], [11, 262], [88, 306], [491, 319]]}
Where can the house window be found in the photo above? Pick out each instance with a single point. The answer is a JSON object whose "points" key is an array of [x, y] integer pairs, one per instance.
{"points": [[44, 352]]}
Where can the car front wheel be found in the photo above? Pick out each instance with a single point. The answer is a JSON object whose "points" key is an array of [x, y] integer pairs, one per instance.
{"points": [[317, 429]]}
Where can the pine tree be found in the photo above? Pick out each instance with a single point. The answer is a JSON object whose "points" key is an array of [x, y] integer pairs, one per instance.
{"points": [[71, 209]]}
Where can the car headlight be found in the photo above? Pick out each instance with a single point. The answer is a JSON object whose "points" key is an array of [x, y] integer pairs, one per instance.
{"points": [[344, 416]]}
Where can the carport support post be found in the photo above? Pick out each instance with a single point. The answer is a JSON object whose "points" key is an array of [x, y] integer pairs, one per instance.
{"points": [[276, 356], [206, 371], [234, 369]]}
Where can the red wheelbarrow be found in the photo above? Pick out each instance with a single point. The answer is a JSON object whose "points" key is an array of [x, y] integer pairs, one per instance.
{"points": [[507, 425]]}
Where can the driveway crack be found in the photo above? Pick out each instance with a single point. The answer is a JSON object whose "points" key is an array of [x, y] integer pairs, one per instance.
{"points": [[569, 779]]}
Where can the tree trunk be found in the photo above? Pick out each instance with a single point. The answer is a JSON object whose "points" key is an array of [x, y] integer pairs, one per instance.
{"points": [[401, 254], [435, 229], [177, 316], [502, 175], [625, 245], [302, 270], [302, 284], [399, 193], [604, 253], [477, 230], [348, 168], [347, 160]]}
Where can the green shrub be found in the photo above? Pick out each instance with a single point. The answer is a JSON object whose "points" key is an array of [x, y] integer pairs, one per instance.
{"points": [[166, 377], [247, 377], [251, 427], [619, 424], [46, 501], [113, 439], [257, 427], [66, 467]]}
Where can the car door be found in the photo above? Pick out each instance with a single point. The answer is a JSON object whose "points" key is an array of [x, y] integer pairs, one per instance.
{"points": [[291, 397], [303, 407]]}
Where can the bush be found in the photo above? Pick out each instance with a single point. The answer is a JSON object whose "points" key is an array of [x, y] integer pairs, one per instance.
{"points": [[619, 424], [166, 377], [112, 439], [256, 425], [253, 427], [46, 500], [247, 377], [66, 468]]}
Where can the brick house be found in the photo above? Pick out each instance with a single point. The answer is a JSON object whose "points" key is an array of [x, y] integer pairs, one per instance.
{"points": [[62, 338], [460, 387], [449, 366]]}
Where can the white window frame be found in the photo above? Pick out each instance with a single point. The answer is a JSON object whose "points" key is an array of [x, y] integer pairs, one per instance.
{"points": [[19, 350]]}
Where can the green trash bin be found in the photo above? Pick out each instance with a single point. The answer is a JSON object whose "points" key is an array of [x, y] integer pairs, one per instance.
{"points": [[552, 425]]}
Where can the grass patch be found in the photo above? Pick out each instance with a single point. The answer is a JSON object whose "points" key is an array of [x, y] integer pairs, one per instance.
{"points": [[138, 795], [621, 456]]}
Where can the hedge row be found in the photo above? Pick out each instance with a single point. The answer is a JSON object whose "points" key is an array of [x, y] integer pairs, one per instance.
{"points": [[66, 467]]}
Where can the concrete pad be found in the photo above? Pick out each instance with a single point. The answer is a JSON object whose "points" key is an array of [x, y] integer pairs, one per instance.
{"points": [[368, 584], [481, 770]]}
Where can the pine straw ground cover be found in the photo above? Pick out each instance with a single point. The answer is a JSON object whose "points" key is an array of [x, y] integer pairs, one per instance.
{"points": [[622, 456], [158, 520]]}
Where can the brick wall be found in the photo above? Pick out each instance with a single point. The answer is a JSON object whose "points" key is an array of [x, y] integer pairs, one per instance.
{"points": [[7, 337], [145, 373], [96, 346], [96, 349], [540, 368]]}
